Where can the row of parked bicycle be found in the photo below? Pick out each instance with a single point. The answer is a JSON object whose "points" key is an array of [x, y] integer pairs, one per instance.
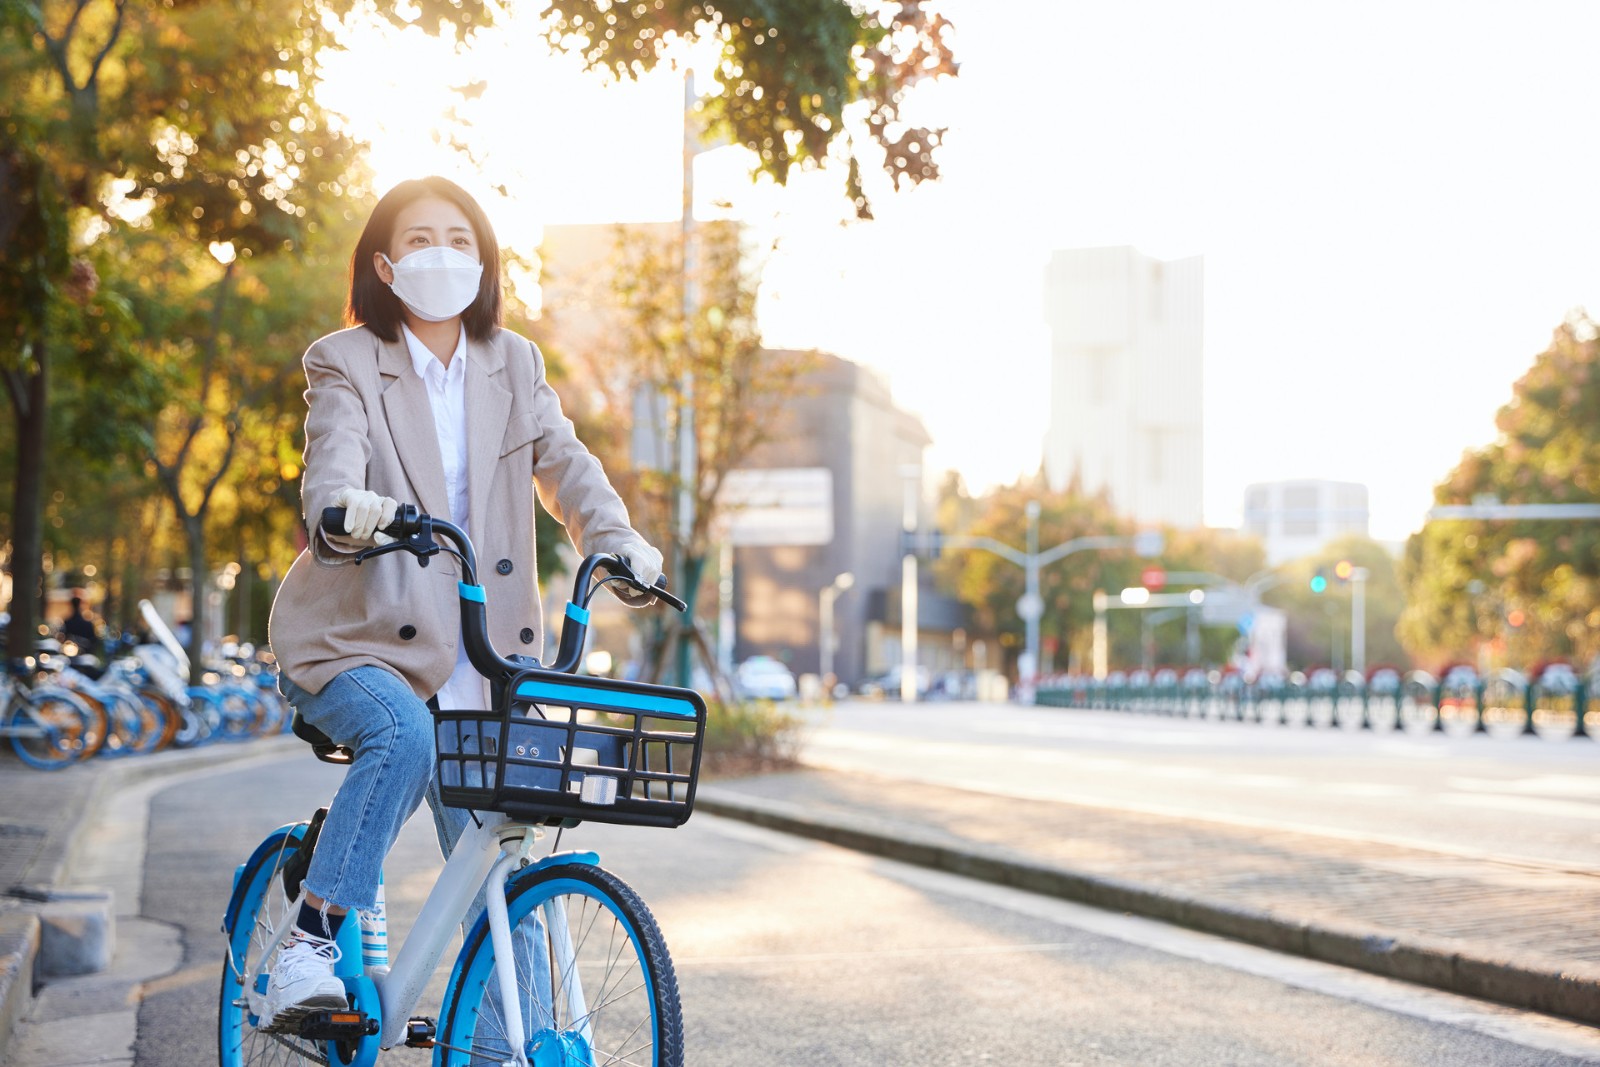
{"points": [[61, 709], [1552, 700]]}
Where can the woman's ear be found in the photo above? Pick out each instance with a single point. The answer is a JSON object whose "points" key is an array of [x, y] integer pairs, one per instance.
{"points": [[380, 263]]}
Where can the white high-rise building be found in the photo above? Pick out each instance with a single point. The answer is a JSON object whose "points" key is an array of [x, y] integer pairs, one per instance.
{"points": [[1125, 414]]}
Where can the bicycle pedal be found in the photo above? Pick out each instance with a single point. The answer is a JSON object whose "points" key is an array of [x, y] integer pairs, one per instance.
{"points": [[336, 1026], [420, 1032]]}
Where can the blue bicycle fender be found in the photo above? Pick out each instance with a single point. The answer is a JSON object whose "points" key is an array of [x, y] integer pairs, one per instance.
{"points": [[235, 898]]}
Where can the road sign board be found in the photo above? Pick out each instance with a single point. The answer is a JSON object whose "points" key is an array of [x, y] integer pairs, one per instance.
{"points": [[1153, 579], [778, 506]]}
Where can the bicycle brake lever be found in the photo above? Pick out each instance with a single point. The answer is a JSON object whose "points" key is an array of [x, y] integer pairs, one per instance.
{"points": [[421, 544]]}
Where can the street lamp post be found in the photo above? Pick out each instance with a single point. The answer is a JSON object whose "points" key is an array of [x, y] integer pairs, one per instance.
{"points": [[825, 601], [912, 475], [1030, 606], [1358, 620]]}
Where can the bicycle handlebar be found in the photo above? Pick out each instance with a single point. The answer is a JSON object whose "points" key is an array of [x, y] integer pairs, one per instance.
{"points": [[413, 532]]}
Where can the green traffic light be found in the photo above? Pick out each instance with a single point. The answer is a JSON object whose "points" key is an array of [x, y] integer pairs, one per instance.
{"points": [[1319, 583]]}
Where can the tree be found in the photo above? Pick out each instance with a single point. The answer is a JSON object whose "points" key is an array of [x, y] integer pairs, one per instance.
{"points": [[793, 77], [196, 118], [1525, 590], [736, 389], [990, 586]]}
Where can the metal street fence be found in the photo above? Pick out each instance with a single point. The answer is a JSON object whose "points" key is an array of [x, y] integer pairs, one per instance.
{"points": [[1551, 701]]}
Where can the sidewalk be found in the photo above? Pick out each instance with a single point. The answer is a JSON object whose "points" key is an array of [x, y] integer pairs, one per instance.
{"points": [[43, 815], [1511, 933]]}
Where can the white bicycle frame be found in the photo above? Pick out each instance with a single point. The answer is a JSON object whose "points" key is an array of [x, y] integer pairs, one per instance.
{"points": [[487, 855]]}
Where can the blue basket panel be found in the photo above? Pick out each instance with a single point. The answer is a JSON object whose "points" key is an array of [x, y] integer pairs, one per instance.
{"points": [[607, 699]]}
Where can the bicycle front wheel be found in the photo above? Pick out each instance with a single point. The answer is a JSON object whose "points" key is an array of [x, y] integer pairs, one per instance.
{"points": [[594, 979], [263, 903]]}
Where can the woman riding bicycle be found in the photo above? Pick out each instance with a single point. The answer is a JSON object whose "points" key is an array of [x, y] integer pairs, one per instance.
{"points": [[427, 398]]}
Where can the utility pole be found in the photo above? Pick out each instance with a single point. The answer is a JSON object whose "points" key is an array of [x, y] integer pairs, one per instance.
{"points": [[825, 601], [1358, 620], [1031, 606], [688, 568], [912, 474]]}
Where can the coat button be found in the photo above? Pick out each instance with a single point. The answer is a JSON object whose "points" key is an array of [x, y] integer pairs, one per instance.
{"points": [[407, 632], [504, 566], [526, 635]]}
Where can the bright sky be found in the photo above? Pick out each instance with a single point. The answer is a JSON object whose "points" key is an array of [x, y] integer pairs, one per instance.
{"points": [[1396, 202]]}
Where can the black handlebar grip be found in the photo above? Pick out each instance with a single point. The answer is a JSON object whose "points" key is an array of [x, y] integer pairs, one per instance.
{"points": [[406, 521]]}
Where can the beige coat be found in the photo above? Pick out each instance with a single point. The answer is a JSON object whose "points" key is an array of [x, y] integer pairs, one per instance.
{"points": [[370, 425]]}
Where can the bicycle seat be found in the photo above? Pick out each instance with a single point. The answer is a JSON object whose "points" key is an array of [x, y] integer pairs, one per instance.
{"points": [[326, 748]]}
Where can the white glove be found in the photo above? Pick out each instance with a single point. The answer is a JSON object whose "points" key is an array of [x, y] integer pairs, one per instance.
{"points": [[645, 560], [364, 512]]}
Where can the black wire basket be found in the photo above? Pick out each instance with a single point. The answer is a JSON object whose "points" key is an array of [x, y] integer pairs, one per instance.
{"points": [[570, 748]]}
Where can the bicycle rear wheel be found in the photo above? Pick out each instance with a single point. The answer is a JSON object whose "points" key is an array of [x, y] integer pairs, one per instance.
{"points": [[595, 979], [51, 728]]}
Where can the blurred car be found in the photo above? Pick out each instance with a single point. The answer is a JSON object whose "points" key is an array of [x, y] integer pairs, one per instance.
{"points": [[888, 686], [954, 685], [765, 678]]}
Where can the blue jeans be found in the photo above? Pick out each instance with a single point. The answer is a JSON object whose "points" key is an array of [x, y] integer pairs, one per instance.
{"points": [[391, 732]]}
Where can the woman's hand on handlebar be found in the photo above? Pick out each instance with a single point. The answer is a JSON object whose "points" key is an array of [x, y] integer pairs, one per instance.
{"points": [[365, 514], [632, 590], [643, 559]]}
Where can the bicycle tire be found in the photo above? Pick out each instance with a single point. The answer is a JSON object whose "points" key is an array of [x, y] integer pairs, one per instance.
{"points": [[131, 723], [57, 734], [99, 727], [241, 715], [199, 720], [152, 720], [633, 1011], [167, 711], [262, 904]]}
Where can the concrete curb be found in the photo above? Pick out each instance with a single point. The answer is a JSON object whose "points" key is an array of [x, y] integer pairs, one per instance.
{"points": [[21, 931], [1535, 985]]}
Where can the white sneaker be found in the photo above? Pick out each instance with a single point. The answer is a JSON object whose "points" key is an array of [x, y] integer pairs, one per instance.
{"points": [[303, 982]]}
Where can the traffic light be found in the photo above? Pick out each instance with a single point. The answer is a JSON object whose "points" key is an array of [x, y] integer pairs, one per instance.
{"points": [[1319, 580], [1515, 618], [1343, 570]]}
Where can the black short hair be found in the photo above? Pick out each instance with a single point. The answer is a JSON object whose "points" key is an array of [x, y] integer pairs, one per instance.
{"points": [[374, 305]]}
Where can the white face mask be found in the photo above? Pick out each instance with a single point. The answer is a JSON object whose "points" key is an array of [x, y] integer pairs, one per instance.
{"points": [[436, 283]]}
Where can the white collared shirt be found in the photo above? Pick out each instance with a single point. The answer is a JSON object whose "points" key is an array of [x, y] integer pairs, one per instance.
{"points": [[447, 395]]}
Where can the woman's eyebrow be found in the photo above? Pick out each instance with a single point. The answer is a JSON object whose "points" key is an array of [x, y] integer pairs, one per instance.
{"points": [[425, 228]]}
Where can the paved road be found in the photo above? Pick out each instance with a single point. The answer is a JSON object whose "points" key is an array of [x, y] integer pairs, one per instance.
{"points": [[1515, 799], [796, 953]]}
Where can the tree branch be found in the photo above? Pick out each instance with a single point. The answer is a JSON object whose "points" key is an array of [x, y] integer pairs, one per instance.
{"points": [[208, 365], [57, 48], [116, 31], [222, 467]]}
